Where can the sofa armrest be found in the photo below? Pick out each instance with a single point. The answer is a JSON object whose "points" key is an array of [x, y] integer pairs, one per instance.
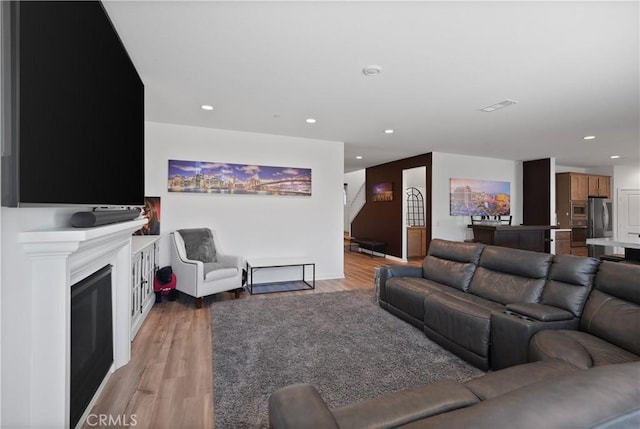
{"points": [[385, 272], [388, 271], [231, 260], [511, 333], [299, 406], [188, 272], [540, 312]]}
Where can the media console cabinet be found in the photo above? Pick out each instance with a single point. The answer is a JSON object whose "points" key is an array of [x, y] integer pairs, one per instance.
{"points": [[145, 257]]}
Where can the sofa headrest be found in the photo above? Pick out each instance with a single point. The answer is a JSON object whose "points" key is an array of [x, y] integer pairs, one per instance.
{"points": [[522, 263], [569, 283], [575, 270], [620, 280], [456, 250]]}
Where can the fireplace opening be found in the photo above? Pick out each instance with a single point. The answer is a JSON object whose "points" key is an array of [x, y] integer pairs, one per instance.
{"points": [[91, 339]]}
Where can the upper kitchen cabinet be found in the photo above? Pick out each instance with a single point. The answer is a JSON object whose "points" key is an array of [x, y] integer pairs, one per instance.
{"points": [[572, 192], [579, 186], [599, 186], [582, 186]]}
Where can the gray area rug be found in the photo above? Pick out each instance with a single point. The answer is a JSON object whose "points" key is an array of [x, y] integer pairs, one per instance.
{"points": [[342, 342]]}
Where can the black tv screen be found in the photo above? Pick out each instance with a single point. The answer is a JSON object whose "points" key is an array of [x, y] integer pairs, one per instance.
{"points": [[79, 108]]}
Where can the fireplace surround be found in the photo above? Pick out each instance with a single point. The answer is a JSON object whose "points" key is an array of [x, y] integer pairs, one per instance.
{"points": [[59, 258]]}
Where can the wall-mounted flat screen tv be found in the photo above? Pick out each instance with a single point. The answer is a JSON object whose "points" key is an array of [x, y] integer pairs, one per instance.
{"points": [[77, 108]]}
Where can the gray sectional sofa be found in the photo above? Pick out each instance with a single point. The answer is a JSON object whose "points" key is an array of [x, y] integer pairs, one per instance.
{"points": [[473, 299], [547, 394], [609, 329], [561, 335]]}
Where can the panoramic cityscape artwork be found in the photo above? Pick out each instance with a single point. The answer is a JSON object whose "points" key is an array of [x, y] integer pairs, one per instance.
{"points": [[223, 178], [471, 197]]}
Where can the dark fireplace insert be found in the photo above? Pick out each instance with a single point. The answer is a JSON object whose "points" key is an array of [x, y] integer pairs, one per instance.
{"points": [[91, 339]]}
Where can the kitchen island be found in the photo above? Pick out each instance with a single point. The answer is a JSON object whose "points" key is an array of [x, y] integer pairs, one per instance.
{"points": [[631, 246], [525, 237]]}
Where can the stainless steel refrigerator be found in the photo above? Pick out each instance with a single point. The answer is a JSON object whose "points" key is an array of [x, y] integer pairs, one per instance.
{"points": [[599, 224]]}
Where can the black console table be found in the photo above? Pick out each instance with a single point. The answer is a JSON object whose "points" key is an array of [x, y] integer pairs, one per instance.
{"points": [[372, 245]]}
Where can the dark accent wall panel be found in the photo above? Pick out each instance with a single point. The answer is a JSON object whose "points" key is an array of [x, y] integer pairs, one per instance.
{"points": [[536, 195], [382, 220], [536, 192]]}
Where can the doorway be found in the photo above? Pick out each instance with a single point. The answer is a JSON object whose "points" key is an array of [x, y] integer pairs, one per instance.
{"points": [[414, 237], [628, 215]]}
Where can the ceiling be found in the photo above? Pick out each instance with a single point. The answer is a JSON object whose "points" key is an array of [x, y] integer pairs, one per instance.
{"points": [[267, 66]]}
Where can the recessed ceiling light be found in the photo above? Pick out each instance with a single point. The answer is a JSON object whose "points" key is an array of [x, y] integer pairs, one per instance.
{"points": [[311, 121], [614, 156], [206, 107], [389, 131], [358, 157], [499, 105], [372, 70], [589, 137]]}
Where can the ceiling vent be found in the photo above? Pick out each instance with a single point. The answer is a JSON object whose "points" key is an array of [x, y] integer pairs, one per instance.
{"points": [[499, 105]]}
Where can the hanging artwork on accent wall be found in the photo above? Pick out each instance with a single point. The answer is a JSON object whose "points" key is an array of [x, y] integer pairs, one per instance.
{"points": [[471, 197], [382, 192], [223, 178], [152, 213]]}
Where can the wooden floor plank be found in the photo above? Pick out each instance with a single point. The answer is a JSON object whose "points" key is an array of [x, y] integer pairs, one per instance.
{"points": [[169, 381]]}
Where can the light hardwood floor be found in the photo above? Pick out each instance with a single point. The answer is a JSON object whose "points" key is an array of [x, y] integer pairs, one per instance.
{"points": [[169, 381]]}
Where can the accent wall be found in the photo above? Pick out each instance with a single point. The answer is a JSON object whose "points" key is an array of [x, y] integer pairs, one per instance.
{"points": [[382, 220]]}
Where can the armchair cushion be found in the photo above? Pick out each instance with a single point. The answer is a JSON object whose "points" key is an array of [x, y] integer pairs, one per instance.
{"points": [[218, 270], [198, 243]]}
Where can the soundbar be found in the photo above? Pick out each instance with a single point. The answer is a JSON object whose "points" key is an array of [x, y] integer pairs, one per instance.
{"points": [[102, 217]]}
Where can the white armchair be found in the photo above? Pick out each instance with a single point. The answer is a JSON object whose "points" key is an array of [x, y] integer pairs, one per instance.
{"points": [[201, 267]]}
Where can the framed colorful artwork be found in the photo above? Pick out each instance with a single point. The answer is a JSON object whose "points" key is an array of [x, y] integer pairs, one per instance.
{"points": [[472, 197], [224, 178], [382, 192], [152, 213]]}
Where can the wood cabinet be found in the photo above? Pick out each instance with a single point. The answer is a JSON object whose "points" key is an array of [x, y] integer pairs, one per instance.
{"points": [[563, 242], [599, 186], [145, 257], [416, 242], [580, 251], [579, 186]]}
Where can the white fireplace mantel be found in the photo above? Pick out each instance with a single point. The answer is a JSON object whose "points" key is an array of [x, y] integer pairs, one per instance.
{"points": [[59, 258]]}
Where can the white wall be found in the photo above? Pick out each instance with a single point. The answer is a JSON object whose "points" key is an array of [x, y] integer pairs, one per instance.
{"points": [[253, 225], [354, 180], [446, 166], [566, 169], [626, 177]]}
